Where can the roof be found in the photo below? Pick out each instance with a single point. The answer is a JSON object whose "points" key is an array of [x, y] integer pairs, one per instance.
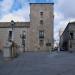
{"points": [[67, 27], [72, 22], [17, 24], [42, 3]]}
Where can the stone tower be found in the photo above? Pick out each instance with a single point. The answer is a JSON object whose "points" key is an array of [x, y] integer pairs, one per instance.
{"points": [[41, 26]]}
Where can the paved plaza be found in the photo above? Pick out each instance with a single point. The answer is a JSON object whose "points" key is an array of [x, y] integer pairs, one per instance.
{"points": [[39, 63]]}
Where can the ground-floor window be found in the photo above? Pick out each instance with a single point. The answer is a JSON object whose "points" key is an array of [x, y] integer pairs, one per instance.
{"points": [[41, 42], [10, 36]]}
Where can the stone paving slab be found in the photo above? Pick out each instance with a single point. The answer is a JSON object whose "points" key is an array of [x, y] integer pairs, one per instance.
{"points": [[40, 63]]}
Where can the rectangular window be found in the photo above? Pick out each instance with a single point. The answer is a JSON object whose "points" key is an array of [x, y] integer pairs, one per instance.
{"points": [[71, 35], [41, 34], [41, 22], [10, 36], [41, 42], [41, 13]]}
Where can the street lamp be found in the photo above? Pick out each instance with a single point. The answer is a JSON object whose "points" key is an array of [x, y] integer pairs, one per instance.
{"points": [[12, 26], [8, 50], [12, 39]]}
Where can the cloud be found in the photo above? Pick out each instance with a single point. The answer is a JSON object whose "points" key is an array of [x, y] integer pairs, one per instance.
{"points": [[11, 10], [67, 8], [18, 4], [20, 15], [10, 17], [5, 7]]}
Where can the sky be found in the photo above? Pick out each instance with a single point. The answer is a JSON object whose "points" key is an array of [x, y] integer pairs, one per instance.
{"points": [[19, 10]]}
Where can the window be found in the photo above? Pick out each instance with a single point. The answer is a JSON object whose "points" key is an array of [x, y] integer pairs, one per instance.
{"points": [[41, 42], [71, 35], [23, 35], [41, 13], [48, 44], [10, 36], [41, 34], [41, 22]]}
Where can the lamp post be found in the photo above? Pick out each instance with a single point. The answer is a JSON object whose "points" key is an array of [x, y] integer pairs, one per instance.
{"points": [[12, 38], [8, 50], [12, 26]]}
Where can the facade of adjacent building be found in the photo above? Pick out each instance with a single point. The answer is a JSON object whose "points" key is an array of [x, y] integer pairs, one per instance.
{"points": [[39, 31], [67, 39]]}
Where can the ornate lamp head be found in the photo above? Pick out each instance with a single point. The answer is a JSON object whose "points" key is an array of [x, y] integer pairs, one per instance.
{"points": [[12, 24]]}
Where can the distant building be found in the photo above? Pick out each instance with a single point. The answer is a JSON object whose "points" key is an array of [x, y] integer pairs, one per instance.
{"points": [[39, 31], [67, 39]]}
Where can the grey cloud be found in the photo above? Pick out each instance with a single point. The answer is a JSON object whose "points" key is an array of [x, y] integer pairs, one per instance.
{"points": [[67, 8]]}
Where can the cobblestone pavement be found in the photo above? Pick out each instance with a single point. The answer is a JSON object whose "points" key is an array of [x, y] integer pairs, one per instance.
{"points": [[40, 63]]}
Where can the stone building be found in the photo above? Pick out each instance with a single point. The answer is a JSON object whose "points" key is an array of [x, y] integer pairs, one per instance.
{"points": [[67, 39], [6, 32], [39, 31]]}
